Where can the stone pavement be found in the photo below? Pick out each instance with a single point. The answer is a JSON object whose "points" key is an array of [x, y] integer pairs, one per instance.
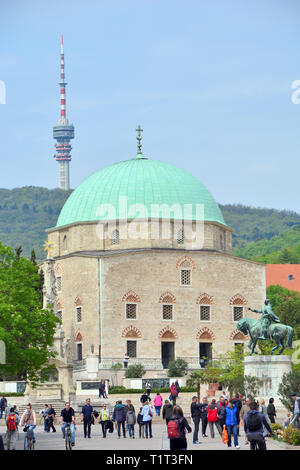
{"points": [[54, 441]]}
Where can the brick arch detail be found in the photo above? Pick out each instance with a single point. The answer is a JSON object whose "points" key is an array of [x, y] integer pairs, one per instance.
{"points": [[131, 332], [168, 329], [205, 299], [186, 259], [78, 300], [238, 299], [237, 334], [78, 336], [171, 298], [205, 333], [131, 296]]}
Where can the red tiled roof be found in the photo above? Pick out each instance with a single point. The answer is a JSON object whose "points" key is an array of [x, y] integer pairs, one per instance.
{"points": [[278, 274]]}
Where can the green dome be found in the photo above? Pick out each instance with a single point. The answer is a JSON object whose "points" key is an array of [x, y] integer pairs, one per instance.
{"points": [[141, 181]]}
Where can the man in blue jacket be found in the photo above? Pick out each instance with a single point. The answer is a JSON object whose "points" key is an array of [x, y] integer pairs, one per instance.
{"points": [[119, 415], [231, 424], [253, 426]]}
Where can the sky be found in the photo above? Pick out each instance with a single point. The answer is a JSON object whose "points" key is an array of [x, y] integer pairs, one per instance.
{"points": [[210, 82]]}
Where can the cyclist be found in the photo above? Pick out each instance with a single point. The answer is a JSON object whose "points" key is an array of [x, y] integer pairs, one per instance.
{"points": [[254, 423], [29, 418], [67, 416]]}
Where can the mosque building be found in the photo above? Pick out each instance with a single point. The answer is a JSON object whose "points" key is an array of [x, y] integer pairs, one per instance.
{"points": [[144, 266]]}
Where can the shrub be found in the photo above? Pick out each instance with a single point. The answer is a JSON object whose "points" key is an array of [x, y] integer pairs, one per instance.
{"points": [[12, 394], [291, 435], [177, 368], [290, 383], [275, 427], [135, 371]]}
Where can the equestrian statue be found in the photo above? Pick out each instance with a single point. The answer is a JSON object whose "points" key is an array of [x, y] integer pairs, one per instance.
{"points": [[263, 328]]}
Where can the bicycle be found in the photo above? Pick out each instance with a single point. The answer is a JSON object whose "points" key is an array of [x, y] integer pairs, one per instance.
{"points": [[68, 440], [28, 440]]}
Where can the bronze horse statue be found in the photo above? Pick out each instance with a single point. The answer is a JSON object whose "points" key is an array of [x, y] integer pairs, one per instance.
{"points": [[276, 331]]}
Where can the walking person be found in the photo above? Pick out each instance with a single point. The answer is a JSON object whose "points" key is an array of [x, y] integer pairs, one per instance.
{"points": [[295, 421], [212, 418], [131, 420], [148, 388], [67, 417], [263, 409], [177, 427], [177, 387], [147, 413], [3, 405], [144, 397], [119, 416], [174, 393], [195, 415], [101, 389], [254, 424], [271, 411], [29, 417], [103, 419], [12, 421], [141, 424], [87, 416], [44, 414], [158, 403], [50, 418], [203, 416], [126, 359], [244, 410], [167, 411], [221, 404], [231, 420], [238, 403]]}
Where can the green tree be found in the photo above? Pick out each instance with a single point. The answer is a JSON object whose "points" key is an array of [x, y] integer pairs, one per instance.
{"points": [[177, 368], [290, 384], [25, 327], [196, 379], [135, 371], [286, 304]]}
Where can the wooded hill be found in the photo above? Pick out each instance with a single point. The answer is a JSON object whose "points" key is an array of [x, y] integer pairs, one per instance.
{"points": [[264, 234]]}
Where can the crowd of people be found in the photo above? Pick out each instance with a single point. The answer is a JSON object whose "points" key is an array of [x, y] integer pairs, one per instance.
{"points": [[226, 416]]}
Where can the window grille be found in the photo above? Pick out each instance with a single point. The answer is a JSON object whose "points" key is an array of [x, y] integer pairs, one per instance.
{"points": [[237, 313], [180, 237], [130, 311], [131, 348], [185, 277], [78, 314], [58, 283], [115, 237], [167, 312], [204, 312], [59, 314]]}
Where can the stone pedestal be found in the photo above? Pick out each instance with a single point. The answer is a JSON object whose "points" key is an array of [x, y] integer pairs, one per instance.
{"points": [[92, 366], [270, 369]]}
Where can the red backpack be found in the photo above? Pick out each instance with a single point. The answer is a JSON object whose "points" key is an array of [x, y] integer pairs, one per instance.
{"points": [[11, 422], [174, 429], [212, 413]]}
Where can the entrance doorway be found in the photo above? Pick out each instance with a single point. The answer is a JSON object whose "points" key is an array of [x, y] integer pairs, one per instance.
{"points": [[167, 353], [205, 353]]}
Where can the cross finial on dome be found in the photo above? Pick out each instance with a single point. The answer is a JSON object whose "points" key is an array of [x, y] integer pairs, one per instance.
{"points": [[139, 139]]}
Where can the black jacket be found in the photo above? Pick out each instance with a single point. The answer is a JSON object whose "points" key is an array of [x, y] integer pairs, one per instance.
{"points": [[180, 443], [167, 411], [195, 410]]}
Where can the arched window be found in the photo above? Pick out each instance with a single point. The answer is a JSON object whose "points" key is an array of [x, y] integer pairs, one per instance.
{"points": [[205, 302], [238, 303], [65, 242], [115, 237]]}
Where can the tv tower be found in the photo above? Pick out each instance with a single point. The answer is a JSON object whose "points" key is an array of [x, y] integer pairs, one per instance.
{"points": [[63, 132]]}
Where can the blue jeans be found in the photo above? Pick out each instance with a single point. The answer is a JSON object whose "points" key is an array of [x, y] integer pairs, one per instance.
{"points": [[31, 428], [148, 426], [157, 409], [72, 429], [232, 430], [131, 430], [45, 424]]}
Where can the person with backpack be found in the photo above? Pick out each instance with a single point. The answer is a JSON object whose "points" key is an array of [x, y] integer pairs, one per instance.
{"points": [[231, 422], [141, 424], [144, 397], [12, 421], [131, 420], [212, 418], [254, 423], [147, 413], [167, 411], [3, 405], [176, 430]]}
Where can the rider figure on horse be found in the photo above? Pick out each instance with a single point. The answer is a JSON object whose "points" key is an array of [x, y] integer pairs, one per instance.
{"points": [[267, 317]]}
